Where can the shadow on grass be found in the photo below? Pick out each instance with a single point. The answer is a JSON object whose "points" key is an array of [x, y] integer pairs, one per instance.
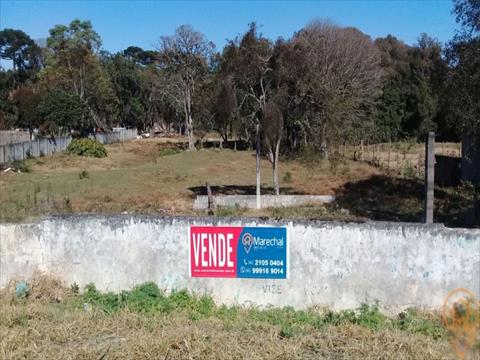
{"points": [[242, 190], [384, 198]]}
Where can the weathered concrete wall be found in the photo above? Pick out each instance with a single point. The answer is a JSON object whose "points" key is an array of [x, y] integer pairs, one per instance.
{"points": [[331, 264], [250, 201]]}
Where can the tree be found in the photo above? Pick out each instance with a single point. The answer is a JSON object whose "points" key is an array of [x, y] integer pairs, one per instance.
{"points": [[249, 61], [467, 13], [61, 111], [26, 100], [184, 59], [18, 47], [334, 94], [413, 77], [462, 98], [463, 86], [272, 128], [73, 65], [140, 56], [130, 89], [225, 110]]}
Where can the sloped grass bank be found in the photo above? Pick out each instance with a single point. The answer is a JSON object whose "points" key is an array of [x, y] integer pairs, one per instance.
{"points": [[147, 323]]}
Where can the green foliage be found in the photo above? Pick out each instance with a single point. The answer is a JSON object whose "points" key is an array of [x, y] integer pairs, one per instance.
{"points": [[169, 151], [86, 147], [17, 46], [414, 322], [287, 178], [142, 298], [390, 112], [148, 298], [230, 211], [62, 111], [73, 65], [132, 90], [370, 317]]}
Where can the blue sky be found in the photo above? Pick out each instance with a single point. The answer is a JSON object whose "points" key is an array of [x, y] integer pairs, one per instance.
{"points": [[141, 23]]}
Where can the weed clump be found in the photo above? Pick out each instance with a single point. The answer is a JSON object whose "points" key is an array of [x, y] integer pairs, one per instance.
{"points": [[21, 166], [83, 175], [86, 147], [287, 178]]}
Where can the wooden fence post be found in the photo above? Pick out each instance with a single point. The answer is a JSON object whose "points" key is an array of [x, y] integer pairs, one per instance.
{"points": [[210, 200]]}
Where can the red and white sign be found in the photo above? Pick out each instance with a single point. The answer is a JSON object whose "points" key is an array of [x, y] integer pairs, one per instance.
{"points": [[213, 251]]}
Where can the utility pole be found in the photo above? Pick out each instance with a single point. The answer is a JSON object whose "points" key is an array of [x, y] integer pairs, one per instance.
{"points": [[429, 177]]}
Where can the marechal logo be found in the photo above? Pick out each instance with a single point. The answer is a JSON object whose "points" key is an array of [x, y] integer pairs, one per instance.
{"points": [[247, 242]]}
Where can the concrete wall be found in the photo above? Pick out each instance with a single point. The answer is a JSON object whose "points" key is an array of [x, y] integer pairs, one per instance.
{"points": [[250, 201], [331, 264]]}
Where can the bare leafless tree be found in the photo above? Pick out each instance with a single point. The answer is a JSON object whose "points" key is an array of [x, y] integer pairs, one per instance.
{"points": [[335, 74], [184, 59]]}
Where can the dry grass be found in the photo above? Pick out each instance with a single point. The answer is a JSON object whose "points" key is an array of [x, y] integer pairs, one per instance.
{"points": [[36, 327], [400, 158], [141, 176], [155, 176]]}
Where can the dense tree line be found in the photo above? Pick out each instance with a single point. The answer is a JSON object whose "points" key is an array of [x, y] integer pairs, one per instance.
{"points": [[326, 85]]}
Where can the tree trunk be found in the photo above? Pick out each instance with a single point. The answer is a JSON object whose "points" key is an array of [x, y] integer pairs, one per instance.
{"points": [[275, 168], [258, 166], [323, 144], [189, 122]]}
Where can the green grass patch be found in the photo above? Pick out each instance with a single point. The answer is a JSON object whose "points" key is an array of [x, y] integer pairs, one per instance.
{"points": [[169, 151], [148, 298], [230, 211]]}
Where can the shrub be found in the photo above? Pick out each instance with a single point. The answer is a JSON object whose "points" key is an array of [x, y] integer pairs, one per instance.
{"points": [[21, 166], [83, 175], [287, 178], [87, 147]]}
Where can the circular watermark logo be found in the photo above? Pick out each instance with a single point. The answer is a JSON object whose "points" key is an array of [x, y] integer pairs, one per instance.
{"points": [[461, 317]]}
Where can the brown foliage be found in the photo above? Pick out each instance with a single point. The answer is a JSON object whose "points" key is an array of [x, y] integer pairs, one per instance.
{"points": [[335, 75]]}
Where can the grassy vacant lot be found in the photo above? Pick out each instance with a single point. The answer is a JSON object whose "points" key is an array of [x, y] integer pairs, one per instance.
{"points": [[53, 322], [401, 158], [156, 176]]}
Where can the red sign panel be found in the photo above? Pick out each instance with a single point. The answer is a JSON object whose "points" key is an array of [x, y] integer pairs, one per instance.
{"points": [[213, 251]]}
